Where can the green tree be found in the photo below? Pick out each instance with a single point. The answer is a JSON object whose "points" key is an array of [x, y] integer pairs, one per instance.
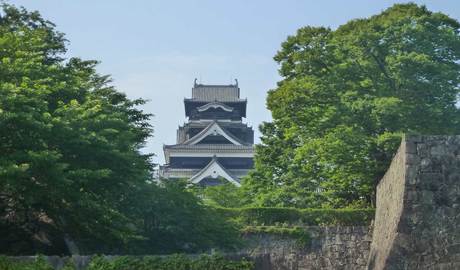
{"points": [[176, 220], [69, 142], [225, 194], [346, 97]]}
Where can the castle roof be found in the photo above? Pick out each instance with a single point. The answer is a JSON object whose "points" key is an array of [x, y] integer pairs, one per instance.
{"points": [[213, 92], [213, 129]]}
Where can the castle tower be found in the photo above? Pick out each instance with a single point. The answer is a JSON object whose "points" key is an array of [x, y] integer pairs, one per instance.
{"points": [[214, 144]]}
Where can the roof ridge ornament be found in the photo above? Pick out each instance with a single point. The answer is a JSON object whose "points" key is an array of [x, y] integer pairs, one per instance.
{"points": [[215, 105]]}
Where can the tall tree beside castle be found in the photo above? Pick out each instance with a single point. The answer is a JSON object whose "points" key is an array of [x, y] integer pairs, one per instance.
{"points": [[69, 142], [346, 97]]}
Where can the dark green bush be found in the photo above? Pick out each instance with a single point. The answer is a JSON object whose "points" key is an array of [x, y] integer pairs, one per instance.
{"points": [[38, 264], [306, 217], [173, 262]]}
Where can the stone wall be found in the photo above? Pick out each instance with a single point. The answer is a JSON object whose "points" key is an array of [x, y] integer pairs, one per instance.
{"points": [[417, 224], [390, 194], [338, 248]]}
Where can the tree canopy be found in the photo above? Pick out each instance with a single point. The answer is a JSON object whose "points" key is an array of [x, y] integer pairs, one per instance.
{"points": [[346, 97], [70, 142]]}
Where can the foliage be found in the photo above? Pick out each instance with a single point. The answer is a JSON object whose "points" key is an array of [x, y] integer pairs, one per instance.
{"points": [[38, 264], [346, 97], [70, 142], [175, 220], [300, 234], [223, 195], [172, 262], [295, 216]]}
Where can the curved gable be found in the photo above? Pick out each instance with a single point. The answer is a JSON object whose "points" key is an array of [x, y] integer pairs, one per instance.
{"points": [[214, 170], [215, 105], [213, 129]]}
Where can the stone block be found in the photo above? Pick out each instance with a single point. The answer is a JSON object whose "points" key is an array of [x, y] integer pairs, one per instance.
{"points": [[423, 150], [438, 150]]}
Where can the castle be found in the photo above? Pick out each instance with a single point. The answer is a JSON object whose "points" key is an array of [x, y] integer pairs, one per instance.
{"points": [[215, 145]]}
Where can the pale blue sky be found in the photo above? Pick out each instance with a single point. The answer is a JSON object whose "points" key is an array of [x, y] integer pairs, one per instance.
{"points": [[154, 49]]}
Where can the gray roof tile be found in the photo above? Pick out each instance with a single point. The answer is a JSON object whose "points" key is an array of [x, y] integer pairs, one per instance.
{"points": [[201, 92]]}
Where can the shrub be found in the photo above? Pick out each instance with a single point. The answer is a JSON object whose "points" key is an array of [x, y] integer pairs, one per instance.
{"points": [[301, 236], [38, 264], [173, 262]]}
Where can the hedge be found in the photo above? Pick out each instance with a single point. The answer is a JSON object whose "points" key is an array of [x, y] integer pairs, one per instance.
{"points": [[306, 217], [300, 234], [172, 262], [40, 263]]}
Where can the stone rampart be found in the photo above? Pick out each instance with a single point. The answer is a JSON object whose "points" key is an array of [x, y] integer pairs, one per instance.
{"points": [[417, 224], [338, 247]]}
